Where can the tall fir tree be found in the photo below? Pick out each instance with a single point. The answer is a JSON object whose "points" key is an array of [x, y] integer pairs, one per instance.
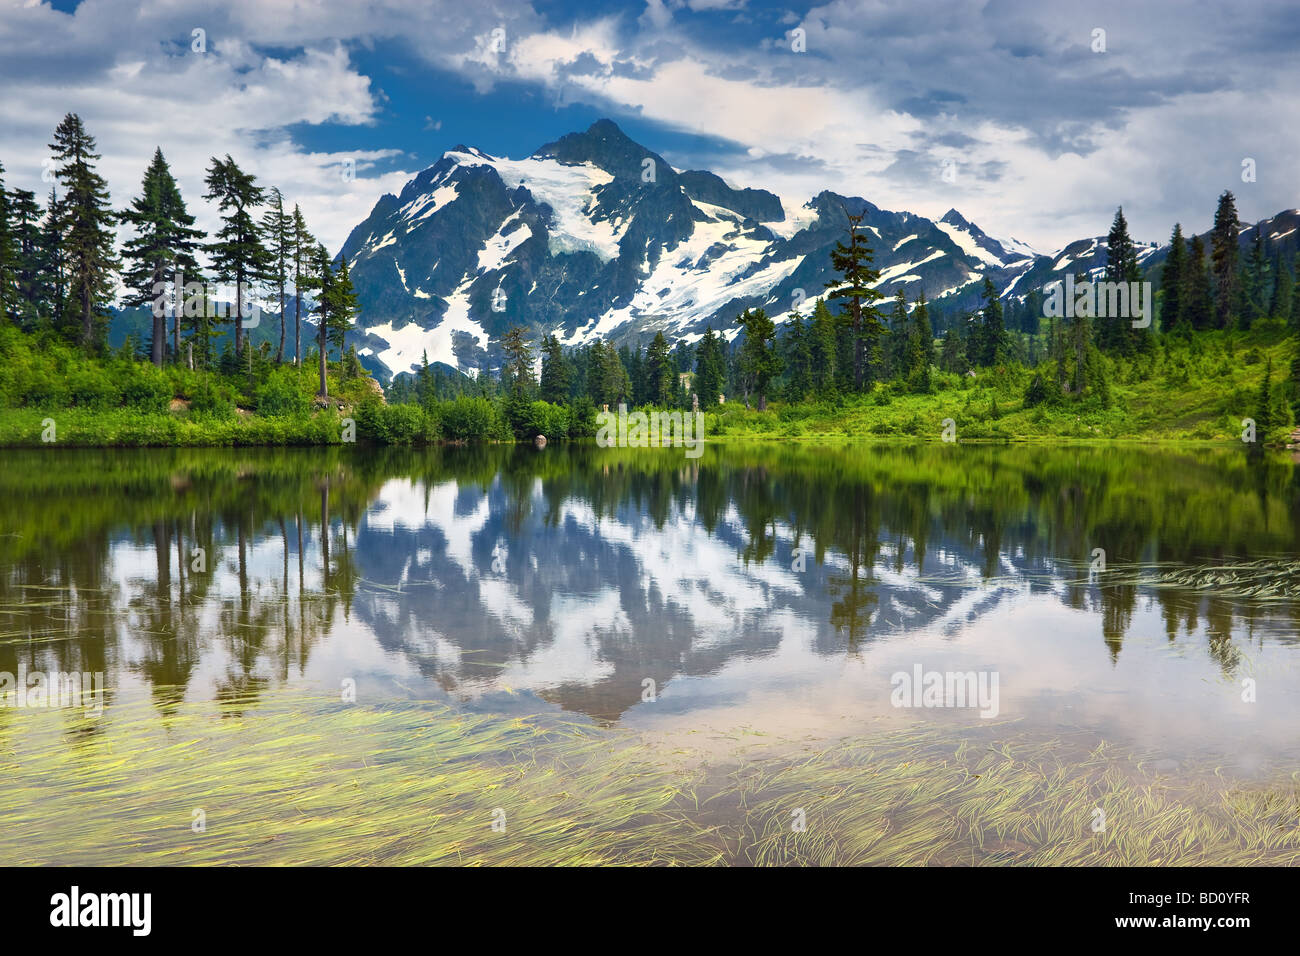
{"points": [[660, 375], [32, 295], [1279, 305], [303, 245], [758, 361], [989, 343], [821, 349], [85, 226], [278, 234], [794, 355], [557, 372], [237, 253], [1196, 301], [1225, 256], [342, 308], [1171, 283], [517, 369], [1115, 334], [322, 282], [9, 261], [1256, 282], [861, 322], [53, 266], [709, 368], [920, 346], [163, 245]]}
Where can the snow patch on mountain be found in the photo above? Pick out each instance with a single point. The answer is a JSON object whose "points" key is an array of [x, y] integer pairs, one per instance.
{"points": [[408, 345], [567, 189]]}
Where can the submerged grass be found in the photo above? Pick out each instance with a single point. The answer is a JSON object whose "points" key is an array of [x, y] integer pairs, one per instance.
{"points": [[419, 783], [1263, 580], [1014, 803], [407, 785]]}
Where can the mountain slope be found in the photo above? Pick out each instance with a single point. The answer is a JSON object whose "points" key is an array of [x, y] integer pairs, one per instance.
{"points": [[594, 235]]}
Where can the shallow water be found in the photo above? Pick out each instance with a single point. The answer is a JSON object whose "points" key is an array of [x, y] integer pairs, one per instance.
{"points": [[763, 594]]}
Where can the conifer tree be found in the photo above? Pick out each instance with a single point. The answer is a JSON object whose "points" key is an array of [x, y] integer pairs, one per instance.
{"points": [[709, 369], [322, 282], [85, 227], [660, 377], [1225, 256], [920, 347], [821, 349], [988, 345], [9, 262], [794, 354], [557, 372], [238, 255], [1113, 332], [758, 359], [53, 267], [278, 232], [517, 370], [1279, 305], [342, 307], [1196, 301], [303, 244], [861, 321], [163, 244], [1255, 285], [1171, 282], [32, 297]]}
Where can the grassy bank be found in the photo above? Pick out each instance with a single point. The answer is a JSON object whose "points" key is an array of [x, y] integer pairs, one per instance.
{"points": [[1198, 390], [1189, 392]]}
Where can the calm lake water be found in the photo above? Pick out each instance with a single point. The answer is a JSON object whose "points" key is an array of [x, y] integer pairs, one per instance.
{"points": [[776, 589]]}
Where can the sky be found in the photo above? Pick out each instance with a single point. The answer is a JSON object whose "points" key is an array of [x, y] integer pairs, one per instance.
{"points": [[1034, 119]]}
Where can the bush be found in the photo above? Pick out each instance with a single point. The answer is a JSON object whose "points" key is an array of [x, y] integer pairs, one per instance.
{"points": [[405, 424], [211, 400], [1037, 392], [582, 418], [43, 390], [543, 418], [472, 419], [146, 387], [91, 387], [280, 394]]}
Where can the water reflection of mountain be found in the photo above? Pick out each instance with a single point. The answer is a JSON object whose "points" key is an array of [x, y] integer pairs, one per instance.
{"points": [[578, 573]]}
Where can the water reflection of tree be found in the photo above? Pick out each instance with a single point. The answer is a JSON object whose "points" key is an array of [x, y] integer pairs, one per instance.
{"points": [[1003, 510], [66, 605]]}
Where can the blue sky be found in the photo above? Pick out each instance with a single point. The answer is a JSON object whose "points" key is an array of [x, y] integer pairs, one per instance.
{"points": [[1046, 132]]}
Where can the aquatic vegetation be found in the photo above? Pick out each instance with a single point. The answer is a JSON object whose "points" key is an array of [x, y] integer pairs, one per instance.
{"points": [[311, 782]]}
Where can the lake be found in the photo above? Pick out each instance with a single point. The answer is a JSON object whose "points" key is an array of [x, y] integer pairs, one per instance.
{"points": [[864, 653]]}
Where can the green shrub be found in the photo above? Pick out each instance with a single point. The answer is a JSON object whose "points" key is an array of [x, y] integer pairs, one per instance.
{"points": [[543, 418], [145, 387], [472, 419], [212, 401], [280, 394], [90, 386]]}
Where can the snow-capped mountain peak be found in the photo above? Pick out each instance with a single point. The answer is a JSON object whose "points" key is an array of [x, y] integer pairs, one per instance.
{"points": [[594, 235]]}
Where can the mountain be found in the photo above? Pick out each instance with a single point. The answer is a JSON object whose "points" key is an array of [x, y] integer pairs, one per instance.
{"points": [[594, 235]]}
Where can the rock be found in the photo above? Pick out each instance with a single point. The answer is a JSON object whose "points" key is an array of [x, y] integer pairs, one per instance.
{"points": [[540, 441]]}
